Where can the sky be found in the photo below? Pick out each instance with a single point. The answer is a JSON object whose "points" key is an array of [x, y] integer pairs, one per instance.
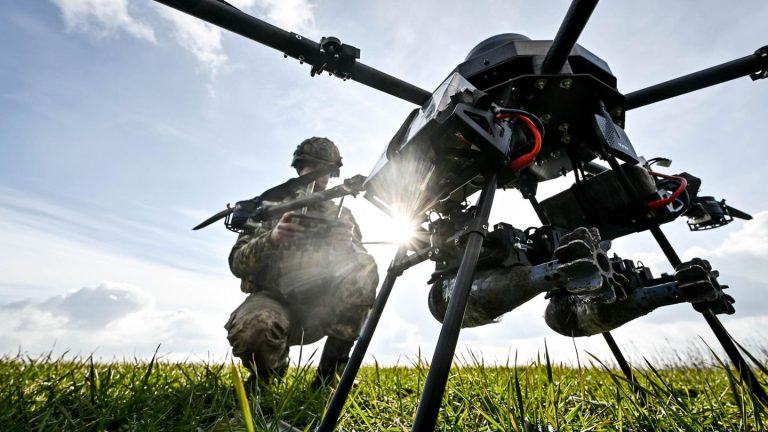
{"points": [[124, 123]]}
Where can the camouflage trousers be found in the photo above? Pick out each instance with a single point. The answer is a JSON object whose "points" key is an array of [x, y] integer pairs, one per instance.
{"points": [[332, 302]]}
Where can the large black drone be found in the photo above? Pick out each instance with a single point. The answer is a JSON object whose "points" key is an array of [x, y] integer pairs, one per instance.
{"points": [[484, 128]]}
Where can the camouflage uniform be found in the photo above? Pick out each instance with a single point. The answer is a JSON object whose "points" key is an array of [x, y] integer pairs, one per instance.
{"points": [[320, 284]]}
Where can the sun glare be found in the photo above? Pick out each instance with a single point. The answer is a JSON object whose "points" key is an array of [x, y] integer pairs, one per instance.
{"points": [[400, 229]]}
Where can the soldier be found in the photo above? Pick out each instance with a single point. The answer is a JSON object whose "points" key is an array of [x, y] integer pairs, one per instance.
{"points": [[307, 276]]}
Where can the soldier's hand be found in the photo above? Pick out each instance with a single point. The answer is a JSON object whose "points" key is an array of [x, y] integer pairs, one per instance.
{"points": [[285, 230]]}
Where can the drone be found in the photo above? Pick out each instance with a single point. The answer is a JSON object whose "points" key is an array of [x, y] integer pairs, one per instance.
{"points": [[515, 113]]}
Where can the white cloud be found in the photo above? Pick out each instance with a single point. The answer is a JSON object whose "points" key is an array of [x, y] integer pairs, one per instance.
{"points": [[292, 15], [111, 319], [103, 17], [86, 308], [203, 40]]}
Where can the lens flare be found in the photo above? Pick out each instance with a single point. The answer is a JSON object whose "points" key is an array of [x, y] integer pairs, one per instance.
{"points": [[401, 229]]}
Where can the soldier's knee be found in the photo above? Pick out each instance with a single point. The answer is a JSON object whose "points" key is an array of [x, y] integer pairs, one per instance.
{"points": [[369, 271], [258, 334], [359, 281]]}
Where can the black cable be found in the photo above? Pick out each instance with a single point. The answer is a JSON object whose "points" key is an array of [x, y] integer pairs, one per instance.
{"points": [[537, 121]]}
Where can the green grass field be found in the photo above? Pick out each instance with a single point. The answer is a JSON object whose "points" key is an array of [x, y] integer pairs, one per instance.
{"points": [[49, 394]]}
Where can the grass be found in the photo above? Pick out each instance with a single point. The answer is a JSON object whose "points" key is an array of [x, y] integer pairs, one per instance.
{"points": [[51, 394]]}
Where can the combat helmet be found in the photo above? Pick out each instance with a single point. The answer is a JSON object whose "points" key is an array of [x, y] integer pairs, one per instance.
{"points": [[317, 150]]}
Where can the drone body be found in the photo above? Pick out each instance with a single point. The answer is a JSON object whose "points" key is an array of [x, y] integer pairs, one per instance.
{"points": [[515, 113]]}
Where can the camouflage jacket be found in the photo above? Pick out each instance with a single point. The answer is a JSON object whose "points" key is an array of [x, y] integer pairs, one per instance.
{"points": [[326, 244]]}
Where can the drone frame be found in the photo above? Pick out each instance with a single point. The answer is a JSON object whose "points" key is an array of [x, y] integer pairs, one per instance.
{"points": [[340, 60]]}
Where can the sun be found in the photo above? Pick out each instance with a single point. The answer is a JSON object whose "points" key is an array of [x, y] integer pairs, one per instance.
{"points": [[400, 229]]}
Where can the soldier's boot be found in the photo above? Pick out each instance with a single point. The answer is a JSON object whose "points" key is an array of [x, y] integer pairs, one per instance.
{"points": [[258, 382], [332, 362]]}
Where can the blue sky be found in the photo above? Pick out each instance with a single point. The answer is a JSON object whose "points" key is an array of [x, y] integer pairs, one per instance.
{"points": [[123, 124]]}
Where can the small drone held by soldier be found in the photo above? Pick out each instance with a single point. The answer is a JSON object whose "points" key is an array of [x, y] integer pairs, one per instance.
{"points": [[515, 113]]}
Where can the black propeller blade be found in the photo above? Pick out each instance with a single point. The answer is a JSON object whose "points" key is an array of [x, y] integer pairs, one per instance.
{"points": [[218, 216], [737, 213]]}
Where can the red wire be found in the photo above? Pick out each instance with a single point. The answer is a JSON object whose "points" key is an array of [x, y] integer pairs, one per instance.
{"points": [[663, 202], [528, 158]]}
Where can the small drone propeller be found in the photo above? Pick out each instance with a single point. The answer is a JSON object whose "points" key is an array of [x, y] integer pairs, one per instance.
{"points": [[736, 212], [220, 215]]}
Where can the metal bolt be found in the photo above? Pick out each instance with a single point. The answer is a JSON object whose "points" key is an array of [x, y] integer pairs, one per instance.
{"points": [[485, 226], [563, 127], [486, 62], [555, 154], [322, 51], [298, 37], [566, 83], [541, 83], [545, 118]]}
